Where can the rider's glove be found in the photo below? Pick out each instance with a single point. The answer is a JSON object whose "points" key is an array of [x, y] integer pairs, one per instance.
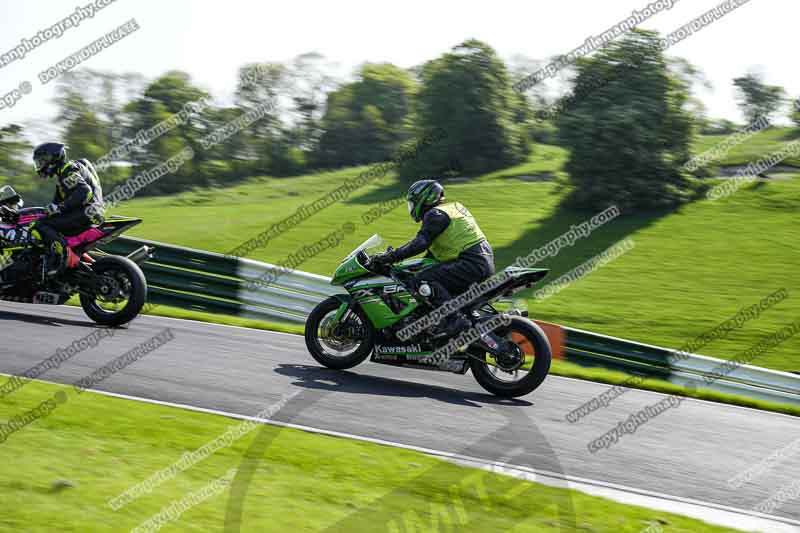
{"points": [[53, 209], [386, 258]]}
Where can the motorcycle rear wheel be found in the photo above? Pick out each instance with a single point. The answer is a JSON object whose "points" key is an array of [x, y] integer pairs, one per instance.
{"points": [[529, 338], [123, 292]]}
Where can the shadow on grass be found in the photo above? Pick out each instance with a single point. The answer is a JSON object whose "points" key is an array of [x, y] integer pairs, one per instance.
{"points": [[392, 189], [560, 220], [557, 223], [397, 186]]}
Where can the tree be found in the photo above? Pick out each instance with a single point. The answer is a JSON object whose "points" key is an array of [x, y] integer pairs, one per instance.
{"points": [[367, 120], [99, 96], [311, 78], [756, 98], [86, 136], [794, 112], [14, 151], [467, 93], [629, 137], [163, 99], [695, 79], [259, 84], [16, 168], [84, 132]]}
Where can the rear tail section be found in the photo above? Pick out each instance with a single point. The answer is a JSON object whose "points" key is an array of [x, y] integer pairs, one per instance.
{"points": [[515, 279], [105, 233]]}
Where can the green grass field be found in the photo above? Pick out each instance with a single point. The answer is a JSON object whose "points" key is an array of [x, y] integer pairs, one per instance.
{"points": [[690, 269], [60, 472], [759, 145]]}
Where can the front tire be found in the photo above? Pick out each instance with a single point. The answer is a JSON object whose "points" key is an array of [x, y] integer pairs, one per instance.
{"points": [[123, 289], [533, 342], [332, 347]]}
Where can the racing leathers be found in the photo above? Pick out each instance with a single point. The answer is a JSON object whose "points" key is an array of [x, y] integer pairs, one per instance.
{"points": [[452, 237], [77, 205]]}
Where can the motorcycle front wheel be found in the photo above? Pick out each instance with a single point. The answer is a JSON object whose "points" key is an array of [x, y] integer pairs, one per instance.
{"points": [[338, 345]]}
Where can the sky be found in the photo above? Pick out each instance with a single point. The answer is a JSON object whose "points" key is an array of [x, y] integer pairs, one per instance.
{"points": [[211, 39]]}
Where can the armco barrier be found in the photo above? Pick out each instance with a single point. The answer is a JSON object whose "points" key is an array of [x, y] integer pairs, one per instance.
{"points": [[215, 283], [592, 349]]}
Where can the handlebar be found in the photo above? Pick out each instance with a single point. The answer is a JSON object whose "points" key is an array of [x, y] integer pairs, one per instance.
{"points": [[383, 270], [366, 260]]}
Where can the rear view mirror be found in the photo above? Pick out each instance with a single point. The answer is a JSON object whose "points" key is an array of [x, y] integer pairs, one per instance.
{"points": [[10, 198]]}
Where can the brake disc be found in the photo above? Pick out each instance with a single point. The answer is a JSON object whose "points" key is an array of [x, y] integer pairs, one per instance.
{"points": [[334, 338]]}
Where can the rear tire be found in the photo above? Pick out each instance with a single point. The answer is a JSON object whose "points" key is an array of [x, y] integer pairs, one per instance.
{"points": [[527, 332], [122, 269], [314, 345]]}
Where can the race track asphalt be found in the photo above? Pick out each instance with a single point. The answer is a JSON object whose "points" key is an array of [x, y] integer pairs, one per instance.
{"points": [[690, 451]]}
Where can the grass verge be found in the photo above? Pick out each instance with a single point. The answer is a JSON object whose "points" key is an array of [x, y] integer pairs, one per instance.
{"points": [[60, 471]]}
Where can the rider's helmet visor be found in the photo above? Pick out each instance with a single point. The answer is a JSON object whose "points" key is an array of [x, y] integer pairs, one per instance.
{"points": [[40, 164]]}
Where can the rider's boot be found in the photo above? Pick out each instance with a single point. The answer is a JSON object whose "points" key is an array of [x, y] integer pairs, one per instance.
{"points": [[54, 261], [455, 324], [437, 295]]}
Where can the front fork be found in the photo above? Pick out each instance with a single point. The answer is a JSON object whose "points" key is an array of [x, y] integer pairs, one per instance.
{"points": [[342, 315], [341, 312]]}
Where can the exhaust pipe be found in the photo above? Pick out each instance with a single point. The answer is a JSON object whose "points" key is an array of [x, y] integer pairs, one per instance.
{"points": [[142, 254]]}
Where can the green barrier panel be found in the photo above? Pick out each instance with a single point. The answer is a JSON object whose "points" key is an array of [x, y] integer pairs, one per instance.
{"points": [[594, 360], [650, 355], [159, 296], [177, 256], [183, 280], [606, 349], [196, 302], [119, 247]]}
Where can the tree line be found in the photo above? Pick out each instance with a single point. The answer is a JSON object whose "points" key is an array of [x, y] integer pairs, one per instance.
{"points": [[627, 115]]}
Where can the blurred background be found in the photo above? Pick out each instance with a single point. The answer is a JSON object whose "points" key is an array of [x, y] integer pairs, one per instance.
{"points": [[355, 83]]}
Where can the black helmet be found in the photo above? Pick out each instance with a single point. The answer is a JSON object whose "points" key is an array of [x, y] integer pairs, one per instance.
{"points": [[48, 158], [423, 195]]}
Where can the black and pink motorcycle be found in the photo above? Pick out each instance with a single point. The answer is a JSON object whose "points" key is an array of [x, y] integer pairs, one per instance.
{"points": [[112, 289]]}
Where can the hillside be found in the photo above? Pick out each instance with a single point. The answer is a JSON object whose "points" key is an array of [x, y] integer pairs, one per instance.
{"points": [[690, 269]]}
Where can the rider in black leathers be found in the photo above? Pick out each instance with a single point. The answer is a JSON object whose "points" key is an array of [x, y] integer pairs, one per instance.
{"points": [[77, 203]]}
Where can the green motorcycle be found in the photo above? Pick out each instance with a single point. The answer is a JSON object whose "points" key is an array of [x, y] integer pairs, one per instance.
{"points": [[508, 354]]}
